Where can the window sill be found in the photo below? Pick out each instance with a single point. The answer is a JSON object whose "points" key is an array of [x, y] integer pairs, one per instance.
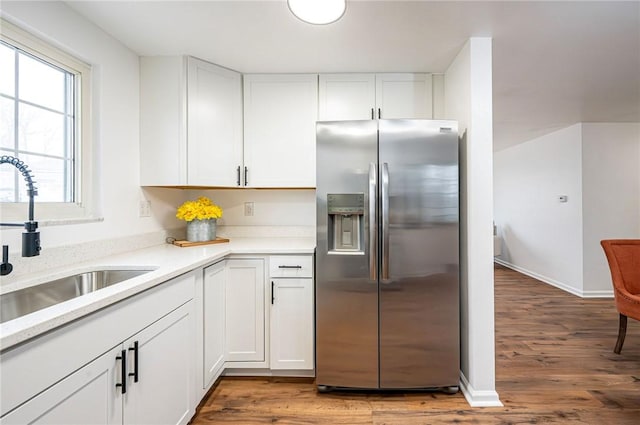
{"points": [[59, 222], [48, 213], [69, 221]]}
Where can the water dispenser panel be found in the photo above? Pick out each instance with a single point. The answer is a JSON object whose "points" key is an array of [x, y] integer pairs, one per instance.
{"points": [[346, 222]]}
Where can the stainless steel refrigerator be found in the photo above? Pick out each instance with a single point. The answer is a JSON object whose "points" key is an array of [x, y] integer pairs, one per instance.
{"points": [[387, 256]]}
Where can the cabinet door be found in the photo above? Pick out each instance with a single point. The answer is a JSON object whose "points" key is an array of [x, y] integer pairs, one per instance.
{"points": [[163, 138], [88, 396], [404, 96], [292, 324], [346, 97], [244, 312], [213, 317], [280, 113], [163, 393], [214, 124]]}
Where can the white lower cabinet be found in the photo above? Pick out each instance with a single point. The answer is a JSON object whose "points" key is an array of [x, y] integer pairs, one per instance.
{"points": [[160, 381], [150, 359], [88, 396], [292, 324], [74, 374], [292, 303], [245, 311], [157, 372], [213, 314]]}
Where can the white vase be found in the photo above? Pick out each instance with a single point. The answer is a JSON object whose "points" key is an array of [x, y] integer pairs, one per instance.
{"points": [[201, 230]]}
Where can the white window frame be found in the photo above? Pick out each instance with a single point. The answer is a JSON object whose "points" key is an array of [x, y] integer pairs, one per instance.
{"points": [[81, 208]]}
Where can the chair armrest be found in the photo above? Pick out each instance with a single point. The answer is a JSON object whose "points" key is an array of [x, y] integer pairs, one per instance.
{"points": [[633, 298]]}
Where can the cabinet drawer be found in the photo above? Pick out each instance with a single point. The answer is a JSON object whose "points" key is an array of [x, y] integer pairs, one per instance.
{"points": [[291, 266]]}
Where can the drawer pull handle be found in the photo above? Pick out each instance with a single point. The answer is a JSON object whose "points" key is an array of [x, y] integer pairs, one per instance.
{"points": [[123, 370], [135, 361], [289, 267]]}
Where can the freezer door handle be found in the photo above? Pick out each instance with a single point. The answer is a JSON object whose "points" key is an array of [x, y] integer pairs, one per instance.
{"points": [[373, 228], [385, 220]]}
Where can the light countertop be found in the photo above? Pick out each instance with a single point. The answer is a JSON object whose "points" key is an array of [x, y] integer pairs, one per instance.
{"points": [[166, 261]]}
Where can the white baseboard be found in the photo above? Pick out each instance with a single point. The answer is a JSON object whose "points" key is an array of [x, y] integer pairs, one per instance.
{"points": [[268, 372], [598, 294], [567, 288], [477, 398]]}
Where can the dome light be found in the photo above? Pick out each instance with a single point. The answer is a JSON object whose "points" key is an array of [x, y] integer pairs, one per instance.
{"points": [[317, 12]]}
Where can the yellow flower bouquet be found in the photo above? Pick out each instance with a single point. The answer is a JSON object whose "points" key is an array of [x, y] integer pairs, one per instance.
{"points": [[200, 209]]}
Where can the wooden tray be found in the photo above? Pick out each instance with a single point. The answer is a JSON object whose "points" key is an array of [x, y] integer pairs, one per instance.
{"points": [[183, 244]]}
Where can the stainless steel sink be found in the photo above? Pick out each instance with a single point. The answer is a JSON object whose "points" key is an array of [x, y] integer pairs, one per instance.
{"points": [[24, 301]]}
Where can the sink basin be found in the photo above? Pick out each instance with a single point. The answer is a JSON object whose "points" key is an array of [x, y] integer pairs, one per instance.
{"points": [[24, 301]]}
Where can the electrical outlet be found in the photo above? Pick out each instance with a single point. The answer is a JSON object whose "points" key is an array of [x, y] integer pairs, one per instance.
{"points": [[248, 209], [145, 208]]}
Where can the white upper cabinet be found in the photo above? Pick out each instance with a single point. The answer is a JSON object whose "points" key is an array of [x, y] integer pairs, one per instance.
{"points": [[347, 97], [280, 113], [370, 96], [214, 127], [190, 123], [404, 96]]}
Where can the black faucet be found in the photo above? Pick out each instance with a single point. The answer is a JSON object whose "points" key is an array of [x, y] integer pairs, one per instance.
{"points": [[30, 238]]}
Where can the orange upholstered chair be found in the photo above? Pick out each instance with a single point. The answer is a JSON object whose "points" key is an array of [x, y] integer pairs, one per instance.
{"points": [[623, 256]]}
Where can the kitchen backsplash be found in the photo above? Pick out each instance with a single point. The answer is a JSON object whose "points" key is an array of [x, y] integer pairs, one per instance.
{"points": [[267, 231], [270, 207]]}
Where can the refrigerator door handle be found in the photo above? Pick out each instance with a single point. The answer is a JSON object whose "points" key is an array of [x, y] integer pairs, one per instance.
{"points": [[373, 228], [385, 220]]}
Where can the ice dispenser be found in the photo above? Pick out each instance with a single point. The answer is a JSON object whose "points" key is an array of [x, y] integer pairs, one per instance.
{"points": [[346, 222]]}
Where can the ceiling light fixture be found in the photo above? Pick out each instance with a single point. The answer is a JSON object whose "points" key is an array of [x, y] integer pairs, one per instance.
{"points": [[317, 12]]}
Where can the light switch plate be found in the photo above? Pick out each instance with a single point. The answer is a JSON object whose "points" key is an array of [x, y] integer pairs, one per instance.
{"points": [[248, 209], [145, 208]]}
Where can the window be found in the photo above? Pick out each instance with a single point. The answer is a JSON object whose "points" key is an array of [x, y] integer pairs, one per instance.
{"points": [[43, 122]]}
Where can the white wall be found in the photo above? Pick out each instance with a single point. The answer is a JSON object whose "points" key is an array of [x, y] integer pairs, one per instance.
{"points": [[468, 99], [611, 195], [542, 236], [597, 165], [115, 103]]}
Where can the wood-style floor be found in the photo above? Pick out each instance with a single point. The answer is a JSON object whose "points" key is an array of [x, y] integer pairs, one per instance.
{"points": [[554, 364]]}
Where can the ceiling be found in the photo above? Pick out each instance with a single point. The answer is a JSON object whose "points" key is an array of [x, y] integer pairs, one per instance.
{"points": [[554, 63]]}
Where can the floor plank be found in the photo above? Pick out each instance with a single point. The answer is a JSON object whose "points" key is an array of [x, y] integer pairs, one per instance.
{"points": [[554, 364]]}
